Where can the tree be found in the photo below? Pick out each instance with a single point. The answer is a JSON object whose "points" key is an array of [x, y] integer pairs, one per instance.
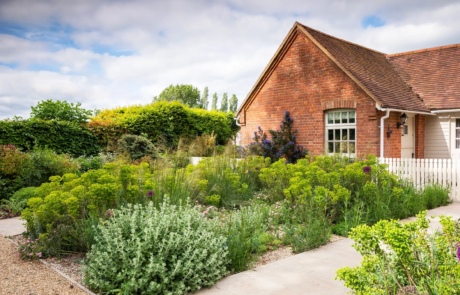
{"points": [[224, 103], [233, 104], [60, 111], [187, 94], [214, 102], [204, 98]]}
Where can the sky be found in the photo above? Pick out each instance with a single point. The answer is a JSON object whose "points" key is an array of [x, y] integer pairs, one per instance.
{"points": [[105, 54]]}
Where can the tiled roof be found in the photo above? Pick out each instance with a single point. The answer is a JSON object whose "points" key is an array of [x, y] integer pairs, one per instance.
{"points": [[373, 70], [433, 73], [418, 80]]}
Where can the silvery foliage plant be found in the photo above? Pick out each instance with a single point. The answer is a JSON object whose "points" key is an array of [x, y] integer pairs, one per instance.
{"points": [[148, 250]]}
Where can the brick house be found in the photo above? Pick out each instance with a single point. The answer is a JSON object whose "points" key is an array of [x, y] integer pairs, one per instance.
{"points": [[347, 98]]}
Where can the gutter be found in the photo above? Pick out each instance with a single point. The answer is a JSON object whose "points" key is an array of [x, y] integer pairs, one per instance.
{"points": [[236, 121], [388, 110], [446, 111], [382, 128]]}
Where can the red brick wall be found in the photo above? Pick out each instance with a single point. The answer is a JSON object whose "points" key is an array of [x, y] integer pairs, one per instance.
{"points": [[306, 82], [392, 145], [420, 136]]}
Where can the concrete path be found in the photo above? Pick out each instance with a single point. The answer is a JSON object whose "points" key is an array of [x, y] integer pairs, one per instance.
{"points": [[311, 272], [11, 227]]}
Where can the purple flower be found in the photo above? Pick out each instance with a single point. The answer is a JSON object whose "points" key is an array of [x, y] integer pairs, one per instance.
{"points": [[150, 193], [367, 169]]}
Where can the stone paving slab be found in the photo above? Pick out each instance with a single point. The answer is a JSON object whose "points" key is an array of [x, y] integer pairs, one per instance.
{"points": [[11, 227], [311, 272]]}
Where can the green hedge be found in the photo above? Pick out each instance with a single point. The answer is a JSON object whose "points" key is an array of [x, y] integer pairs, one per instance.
{"points": [[171, 120], [60, 136]]}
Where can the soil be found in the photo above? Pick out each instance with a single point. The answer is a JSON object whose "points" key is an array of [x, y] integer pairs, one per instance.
{"points": [[22, 277], [4, 214], [71, 264], [284, 252]]}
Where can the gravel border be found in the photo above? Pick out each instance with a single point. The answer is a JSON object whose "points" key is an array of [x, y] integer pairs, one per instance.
{"points": [[55, 269]]}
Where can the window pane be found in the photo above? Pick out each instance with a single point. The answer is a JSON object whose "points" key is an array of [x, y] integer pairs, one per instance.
{"points": [[330, 147], [457, 123], [330, 118], [344, 134], [344, 147], [337, 118], [337, 147], [344, 117], [330, 134], [406, 129], [337, 134], [352, 134], [457, 144], [352, 147], [351, 117]]}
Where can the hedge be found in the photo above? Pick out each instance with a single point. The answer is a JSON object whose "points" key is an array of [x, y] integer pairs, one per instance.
{"points": [[171, 120], [61, 136]]}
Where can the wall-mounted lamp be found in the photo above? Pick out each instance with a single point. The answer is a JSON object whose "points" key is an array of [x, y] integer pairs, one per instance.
{"points": [[389, 131], [403, 120]]}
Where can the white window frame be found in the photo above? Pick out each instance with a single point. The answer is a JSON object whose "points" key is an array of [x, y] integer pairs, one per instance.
{"points": [[341, 126]]}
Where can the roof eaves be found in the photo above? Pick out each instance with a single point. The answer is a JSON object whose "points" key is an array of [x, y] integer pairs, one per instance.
{"points": [[424, 50]]}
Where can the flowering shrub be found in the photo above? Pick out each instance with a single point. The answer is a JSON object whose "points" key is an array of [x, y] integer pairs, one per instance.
{"points": [[145, 250], [226, 182], [392, 265], [29, 250], [352, 193], [72, 197], [281, 145]]}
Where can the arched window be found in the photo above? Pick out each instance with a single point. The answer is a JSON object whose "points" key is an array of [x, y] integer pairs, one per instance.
{"points": [[341, 132]]}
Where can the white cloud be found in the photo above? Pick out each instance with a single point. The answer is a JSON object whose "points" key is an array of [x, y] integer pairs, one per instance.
{"points": [[221, 44]]}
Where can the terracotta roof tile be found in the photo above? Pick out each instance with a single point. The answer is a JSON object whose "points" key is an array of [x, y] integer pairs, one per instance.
{"points": [[373, 70], [433, 73]]}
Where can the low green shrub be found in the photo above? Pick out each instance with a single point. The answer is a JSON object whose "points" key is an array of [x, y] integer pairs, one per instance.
{"points": [[71, 197], [13, 170], [244, 230], [136, 147], [403, 257], [148, 250], [45, 163], [18, 201], [235, 182], [362, 192], [24, 169], [60, 136], [91, 163]]}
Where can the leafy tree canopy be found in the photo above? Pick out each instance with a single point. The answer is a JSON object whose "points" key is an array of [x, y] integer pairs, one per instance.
{"points": [[186, 94], [60, 111]]}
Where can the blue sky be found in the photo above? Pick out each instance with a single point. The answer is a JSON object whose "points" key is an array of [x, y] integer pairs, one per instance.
{"points": [[112, 53]]}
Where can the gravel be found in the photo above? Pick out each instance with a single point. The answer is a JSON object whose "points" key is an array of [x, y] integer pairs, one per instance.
{"points": [[284, 252], [29, 277]]}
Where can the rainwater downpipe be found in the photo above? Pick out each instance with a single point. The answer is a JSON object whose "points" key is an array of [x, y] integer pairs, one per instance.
{"points": [[382, 131]]}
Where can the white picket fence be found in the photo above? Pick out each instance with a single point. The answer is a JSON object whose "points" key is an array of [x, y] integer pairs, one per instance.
{"points": [[425, 171]]}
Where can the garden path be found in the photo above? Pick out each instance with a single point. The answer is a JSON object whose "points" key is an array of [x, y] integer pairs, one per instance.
{"points": [[11, 227], [311, 272]]}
